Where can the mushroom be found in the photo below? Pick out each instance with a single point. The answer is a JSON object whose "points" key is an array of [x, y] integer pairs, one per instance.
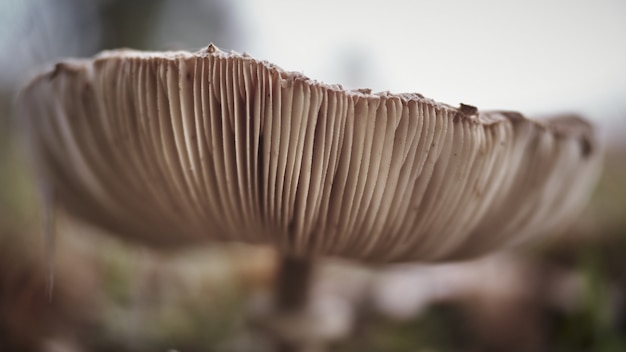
{"points": [[173, 149]]}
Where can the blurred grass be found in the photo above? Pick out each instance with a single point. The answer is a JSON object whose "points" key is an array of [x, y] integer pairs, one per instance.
{"points": [[592, 326], [440, 328]]}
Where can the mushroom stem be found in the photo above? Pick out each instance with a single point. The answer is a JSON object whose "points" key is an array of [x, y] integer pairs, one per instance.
{"points": [[293, 283]]}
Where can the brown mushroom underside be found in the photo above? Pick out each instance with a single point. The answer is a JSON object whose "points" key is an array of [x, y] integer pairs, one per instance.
{"points": [[176, 148]]}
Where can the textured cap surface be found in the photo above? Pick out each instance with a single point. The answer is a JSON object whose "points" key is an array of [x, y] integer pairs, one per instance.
{"points": [[176, 148]]}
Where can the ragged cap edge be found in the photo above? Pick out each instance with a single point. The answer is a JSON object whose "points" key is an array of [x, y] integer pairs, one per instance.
{"points": [[464, 111], [572, 125]]}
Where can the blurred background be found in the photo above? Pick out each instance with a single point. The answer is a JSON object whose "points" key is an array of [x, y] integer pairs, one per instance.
{"points": [[536, 57]]}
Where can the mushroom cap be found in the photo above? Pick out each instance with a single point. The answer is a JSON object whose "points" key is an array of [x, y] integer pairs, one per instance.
{"points": [[176, 148]]}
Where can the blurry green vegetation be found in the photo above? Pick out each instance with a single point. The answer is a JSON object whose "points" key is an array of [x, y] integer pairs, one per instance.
{"points": [[593, 326], [440, 328], [148, 308]]}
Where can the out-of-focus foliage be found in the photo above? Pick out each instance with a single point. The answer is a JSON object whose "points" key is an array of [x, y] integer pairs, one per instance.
{"points": [[594, 325]]}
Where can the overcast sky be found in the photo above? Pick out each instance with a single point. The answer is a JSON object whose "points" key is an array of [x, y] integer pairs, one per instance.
{"points": [[534, 56]]}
